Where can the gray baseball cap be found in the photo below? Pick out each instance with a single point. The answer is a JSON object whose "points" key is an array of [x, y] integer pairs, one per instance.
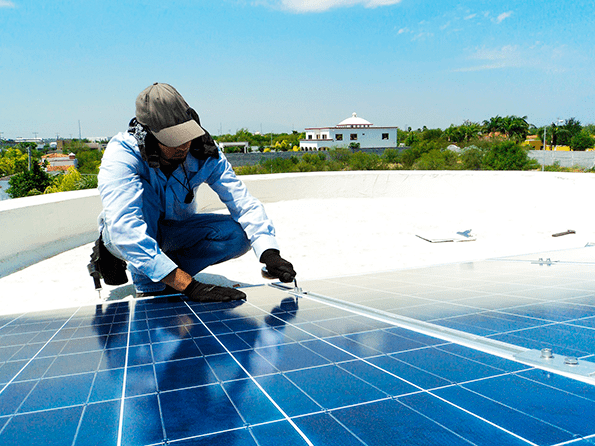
{"points": [[165, 112]]}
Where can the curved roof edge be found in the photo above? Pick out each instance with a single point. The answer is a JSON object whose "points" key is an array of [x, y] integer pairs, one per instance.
{"points": [[354, 121]]}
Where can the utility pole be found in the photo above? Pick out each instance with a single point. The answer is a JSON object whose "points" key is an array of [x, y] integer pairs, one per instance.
{"points": [[543, 157], [29, 149], [80, 137]]}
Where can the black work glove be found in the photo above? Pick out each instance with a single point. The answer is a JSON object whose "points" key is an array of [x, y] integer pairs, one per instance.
{"points": [[201, 292], [277, 266]]}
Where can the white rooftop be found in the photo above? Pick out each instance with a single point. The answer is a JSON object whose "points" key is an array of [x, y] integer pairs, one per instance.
{"points": [[335, 224]]}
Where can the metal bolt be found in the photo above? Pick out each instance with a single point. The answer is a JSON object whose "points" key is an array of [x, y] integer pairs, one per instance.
{"points": [[546, 353], [570, 360]]}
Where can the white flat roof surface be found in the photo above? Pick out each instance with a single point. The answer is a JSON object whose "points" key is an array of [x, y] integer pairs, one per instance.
{"points": [[351, 236]]}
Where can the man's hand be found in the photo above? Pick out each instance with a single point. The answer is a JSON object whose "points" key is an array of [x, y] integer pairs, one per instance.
{"points": [[277, 266], [201, 292]]}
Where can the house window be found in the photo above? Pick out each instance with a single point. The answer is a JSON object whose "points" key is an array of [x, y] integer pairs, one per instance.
{"points": [[385, 136], [339, 136], [353, 137], [309, 136]]}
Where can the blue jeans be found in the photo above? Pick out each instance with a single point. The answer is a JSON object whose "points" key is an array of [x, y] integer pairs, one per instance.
{"points": [[194, 244]]}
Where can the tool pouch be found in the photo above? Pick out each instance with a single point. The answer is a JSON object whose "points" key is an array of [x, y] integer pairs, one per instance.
{"points": [[107, 266]]}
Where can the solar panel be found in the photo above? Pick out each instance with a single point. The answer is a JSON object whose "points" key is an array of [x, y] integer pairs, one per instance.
{"points": [[281, 369]]}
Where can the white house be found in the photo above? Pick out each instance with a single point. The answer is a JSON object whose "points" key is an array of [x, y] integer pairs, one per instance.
{"points": [[350, 130]]}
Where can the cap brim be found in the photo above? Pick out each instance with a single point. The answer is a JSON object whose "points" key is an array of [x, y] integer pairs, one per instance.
{"points": [[179, 134]]}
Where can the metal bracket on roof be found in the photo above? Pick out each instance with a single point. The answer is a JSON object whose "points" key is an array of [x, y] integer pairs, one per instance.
{"points": [[565, 365], [294, 290], [548, 261]]}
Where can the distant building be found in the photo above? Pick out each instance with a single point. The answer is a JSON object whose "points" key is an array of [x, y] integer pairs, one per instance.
{"points": [[351, 130], [534, 142], [59, 162], [61, 144]]}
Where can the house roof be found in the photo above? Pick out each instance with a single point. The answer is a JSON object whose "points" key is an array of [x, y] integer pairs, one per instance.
{"points": [[354, 121], [55, 155], [57, 168]]}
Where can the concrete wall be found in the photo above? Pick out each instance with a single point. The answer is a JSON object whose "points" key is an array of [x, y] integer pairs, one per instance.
{"points": [[565, 159], [35, 228], [251, 159]]}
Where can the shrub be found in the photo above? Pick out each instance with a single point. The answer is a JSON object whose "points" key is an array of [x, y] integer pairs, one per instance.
{"points": [[582, 141], [365, 161], [472, 158], [437, 159], [509, 155], [391, 156], [340, 154]]}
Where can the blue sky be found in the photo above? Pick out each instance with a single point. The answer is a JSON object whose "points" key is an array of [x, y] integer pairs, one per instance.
{"points": [[282, 65]]}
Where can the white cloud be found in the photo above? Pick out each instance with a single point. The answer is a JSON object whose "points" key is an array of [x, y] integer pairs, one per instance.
{"points": [[446, 25], [537, 56], [6, 4], [470, 16], [325, 5], [507, 56], [503, 16]]}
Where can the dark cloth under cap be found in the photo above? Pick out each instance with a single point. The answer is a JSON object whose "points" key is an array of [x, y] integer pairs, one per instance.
{"points": [[165, 112], [201, 148]]}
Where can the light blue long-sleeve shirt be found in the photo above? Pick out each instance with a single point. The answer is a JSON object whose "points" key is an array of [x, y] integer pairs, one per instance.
{"points": [[135, 196]]}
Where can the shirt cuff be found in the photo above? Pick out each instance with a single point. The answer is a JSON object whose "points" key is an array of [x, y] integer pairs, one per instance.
{"points": [[159, 267], [263, 243]]}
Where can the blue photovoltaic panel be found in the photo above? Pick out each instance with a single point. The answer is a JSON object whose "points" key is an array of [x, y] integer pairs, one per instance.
{"points": [[281, 370]]}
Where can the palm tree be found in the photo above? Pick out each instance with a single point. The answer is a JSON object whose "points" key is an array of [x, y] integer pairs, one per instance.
{"points": [[517, 127], [514, 127]]}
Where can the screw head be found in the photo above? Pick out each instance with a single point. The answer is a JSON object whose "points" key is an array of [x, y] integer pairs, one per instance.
{"points": [[546, 353], [570, 360]]}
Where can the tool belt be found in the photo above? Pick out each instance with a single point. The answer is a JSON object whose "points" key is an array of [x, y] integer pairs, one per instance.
{"points": [[104, 265]]}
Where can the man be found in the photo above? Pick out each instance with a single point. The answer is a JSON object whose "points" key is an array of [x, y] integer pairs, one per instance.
{"points": [[150, 217]]}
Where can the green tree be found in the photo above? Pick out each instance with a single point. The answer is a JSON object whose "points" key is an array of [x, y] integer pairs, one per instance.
{"points": [[66, 182], [89, 161], [561, 137], [494, 124], [513, 127], [508, 155], [463, 133], [431, 134], [472, 158], [30, 182], [454, 134], [582, 141], [412, 138], [517, 128], [574, 126], [13, 160]]}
